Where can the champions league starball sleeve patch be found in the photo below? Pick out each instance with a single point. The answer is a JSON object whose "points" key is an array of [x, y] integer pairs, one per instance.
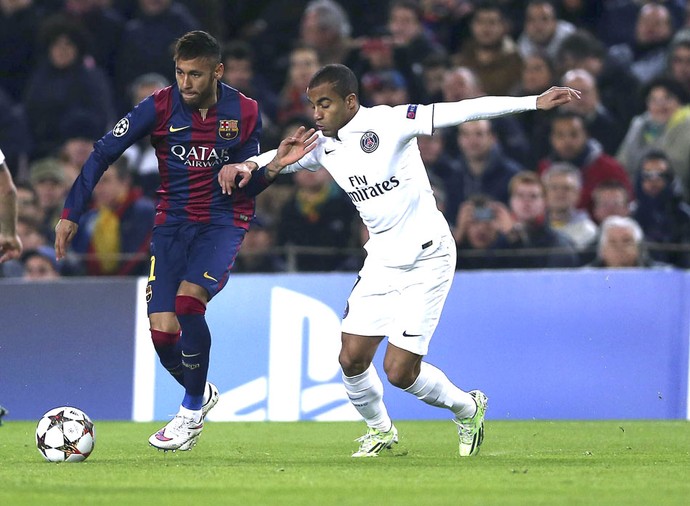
{"points": [[411, 111], [121, 127]]}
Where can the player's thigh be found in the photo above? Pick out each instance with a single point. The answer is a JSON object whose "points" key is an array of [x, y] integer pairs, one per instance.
{"points": [[423, 292], [168, 265], [212, 255], [370, 306]]}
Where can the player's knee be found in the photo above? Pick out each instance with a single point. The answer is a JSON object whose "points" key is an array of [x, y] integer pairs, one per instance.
{"points": [[186, 305], [352, 366], [399, 376]]}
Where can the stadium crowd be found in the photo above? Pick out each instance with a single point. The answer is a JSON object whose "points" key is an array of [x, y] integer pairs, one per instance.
{"points": [[601, 182]]}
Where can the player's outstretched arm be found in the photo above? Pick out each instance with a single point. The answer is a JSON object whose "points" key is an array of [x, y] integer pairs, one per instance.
{"points": [[64, 233], [291, 150], [555, 96]]}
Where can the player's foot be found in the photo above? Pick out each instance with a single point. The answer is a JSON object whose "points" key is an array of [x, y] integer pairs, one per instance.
{"points": [[374, 441], [211, 396], [3, 412], [177, 434], [471, 430]]}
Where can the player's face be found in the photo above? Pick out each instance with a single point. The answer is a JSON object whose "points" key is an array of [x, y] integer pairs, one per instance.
{"points": [[197, 81], [331, 112]]}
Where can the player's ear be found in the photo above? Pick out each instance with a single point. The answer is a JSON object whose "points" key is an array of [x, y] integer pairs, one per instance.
{"points": [[351, 101], [219, 71]]}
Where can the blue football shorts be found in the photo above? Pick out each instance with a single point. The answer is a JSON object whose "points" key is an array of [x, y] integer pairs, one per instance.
{"points": [[199, 253]]}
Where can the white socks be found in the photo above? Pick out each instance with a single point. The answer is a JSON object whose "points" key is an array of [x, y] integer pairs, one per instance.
{"points": [[433, 387], [366, 394]]}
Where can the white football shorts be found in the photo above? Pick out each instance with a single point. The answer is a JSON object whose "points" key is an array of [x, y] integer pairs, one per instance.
{"points": [[402, 303]]}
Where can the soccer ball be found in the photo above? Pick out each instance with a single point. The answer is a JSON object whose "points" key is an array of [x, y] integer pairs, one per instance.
{"points": [[65, 434]]}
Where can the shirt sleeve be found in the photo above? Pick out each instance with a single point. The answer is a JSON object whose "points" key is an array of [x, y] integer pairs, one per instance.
{"points": [[138, 123], [453, 113]]}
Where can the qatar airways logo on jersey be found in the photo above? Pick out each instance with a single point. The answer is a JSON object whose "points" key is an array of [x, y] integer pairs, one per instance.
{"points": [[201, 156], [363, 191]]}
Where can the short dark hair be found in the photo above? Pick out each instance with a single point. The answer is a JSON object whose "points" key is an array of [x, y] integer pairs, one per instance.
{"points": [[197, 44], [341, 77]]}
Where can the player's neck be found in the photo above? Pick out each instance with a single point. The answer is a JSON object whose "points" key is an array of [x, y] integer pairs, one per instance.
{"points": [[203, 113]]}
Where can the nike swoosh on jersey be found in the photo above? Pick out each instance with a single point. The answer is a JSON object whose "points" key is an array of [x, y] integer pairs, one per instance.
{"points": [[410, 335], [328, 152], [208, 276], [173, 129]]}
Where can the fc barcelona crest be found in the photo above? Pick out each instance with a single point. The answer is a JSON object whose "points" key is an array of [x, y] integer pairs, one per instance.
{"points": [[228, 129]]}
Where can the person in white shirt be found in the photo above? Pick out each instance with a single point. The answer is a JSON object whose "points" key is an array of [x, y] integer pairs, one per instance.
{"points": [[10, 243], [400, 291]]}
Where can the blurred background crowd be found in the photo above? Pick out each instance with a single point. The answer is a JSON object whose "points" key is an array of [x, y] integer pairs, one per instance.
{"points": [[601, 182]]}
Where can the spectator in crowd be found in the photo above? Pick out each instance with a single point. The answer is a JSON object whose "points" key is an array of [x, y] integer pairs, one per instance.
{"points": [[661, 211], [104, 25], [665, 124], [610, 198], [483, 168], [319, 215], [538, 75], [434, 68], [257, 253], [440, 166], [64, 83], [27, 202], [410, 38], [543, 31], [141, 156], [600, 123], [304, 62], [537, 244], [147, 41], [326, 27], [491, 52], [115, 235], [239, 72], [541, 245], [618, 87], [460, 83], [40, 264], [479, 234], [570, 142], [646, 56], [563, 184], [78, 133], [384, 87], [679, 59], [19, 26], [621, 245], [48, 179]]}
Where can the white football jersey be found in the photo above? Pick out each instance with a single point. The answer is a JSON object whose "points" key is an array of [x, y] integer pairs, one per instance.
{"points": [[2, 156], [376, 161]]}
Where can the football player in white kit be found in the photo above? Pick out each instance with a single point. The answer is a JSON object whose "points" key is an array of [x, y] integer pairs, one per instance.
{"points": [[400, 291]]}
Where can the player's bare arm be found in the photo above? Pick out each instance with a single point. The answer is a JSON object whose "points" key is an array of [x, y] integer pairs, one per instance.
{"points": [[64, 233], [555, 96], [10, 244], [291, 150]]}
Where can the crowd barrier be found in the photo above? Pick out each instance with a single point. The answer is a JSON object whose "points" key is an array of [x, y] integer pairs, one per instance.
{"points": [[581, 344]]}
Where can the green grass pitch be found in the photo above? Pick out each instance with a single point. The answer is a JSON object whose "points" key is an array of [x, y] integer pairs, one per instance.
{"points": [[309, 463]]}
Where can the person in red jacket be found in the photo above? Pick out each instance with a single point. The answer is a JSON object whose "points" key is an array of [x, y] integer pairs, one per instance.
{"points": [[570, 142]]}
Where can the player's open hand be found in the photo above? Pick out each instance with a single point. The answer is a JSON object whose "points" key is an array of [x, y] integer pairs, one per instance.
{"points": [[555, 96], [64, 233], [235, 175], [10, 247], [294, 147]]}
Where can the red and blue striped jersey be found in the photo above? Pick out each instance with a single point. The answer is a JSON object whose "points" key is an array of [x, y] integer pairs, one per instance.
{"points": [[190, 149]]}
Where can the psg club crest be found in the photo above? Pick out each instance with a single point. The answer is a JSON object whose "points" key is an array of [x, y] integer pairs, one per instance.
{"points": [[369, 142], [228, 129]]}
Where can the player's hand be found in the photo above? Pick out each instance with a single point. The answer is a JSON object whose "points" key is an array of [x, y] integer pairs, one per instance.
{"points": [[10, 247], [555, 96], [292, 149], [64, 233], [235, 175]]}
